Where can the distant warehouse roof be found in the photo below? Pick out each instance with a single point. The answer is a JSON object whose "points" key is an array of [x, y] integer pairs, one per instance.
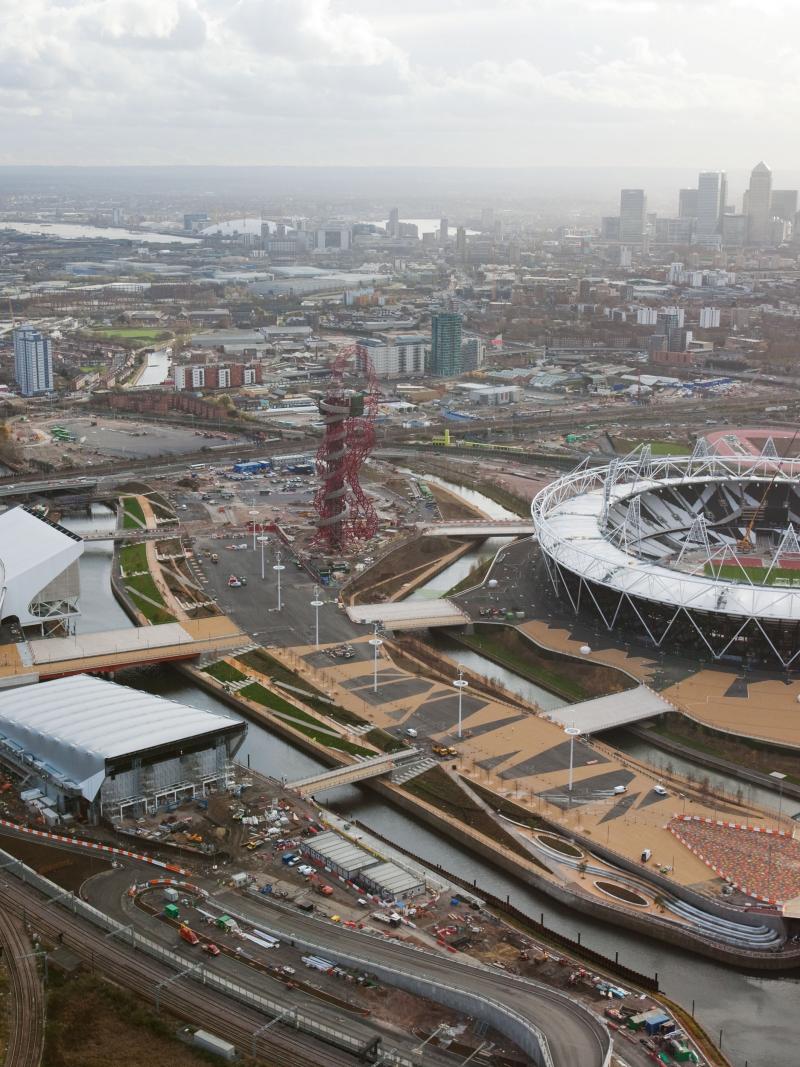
{"points": [[389, 878], [339, 853], [74, 725]]}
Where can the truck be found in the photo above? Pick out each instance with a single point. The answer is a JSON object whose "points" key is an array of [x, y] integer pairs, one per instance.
{"points": [[172, 911], [188, 935]]}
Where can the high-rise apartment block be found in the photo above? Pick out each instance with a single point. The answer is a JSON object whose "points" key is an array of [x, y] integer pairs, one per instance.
{"points": [[33, 361], [445, 344], [393, 226]]}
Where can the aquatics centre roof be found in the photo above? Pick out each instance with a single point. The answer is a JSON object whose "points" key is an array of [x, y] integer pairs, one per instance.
{"points": [[74, 725]]}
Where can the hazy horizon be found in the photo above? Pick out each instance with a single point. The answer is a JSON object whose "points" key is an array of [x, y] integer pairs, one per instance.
{"points": [[700, 85]]}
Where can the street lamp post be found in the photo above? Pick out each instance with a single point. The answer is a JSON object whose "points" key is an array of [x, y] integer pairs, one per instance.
{"points": [[572, 732], [460, 685], [278, 567], [376, 643], [779, 777], [316, 604], [254, 516]]}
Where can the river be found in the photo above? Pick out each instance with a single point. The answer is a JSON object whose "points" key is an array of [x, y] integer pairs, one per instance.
{"points": [[755, 1013], [74, 231]]}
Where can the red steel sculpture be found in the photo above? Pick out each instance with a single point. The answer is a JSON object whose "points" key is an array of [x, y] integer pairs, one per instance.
{"points": [[344, 511]]}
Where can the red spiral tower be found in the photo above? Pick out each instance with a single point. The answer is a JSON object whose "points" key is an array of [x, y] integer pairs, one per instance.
{"points": [[344, 511]]}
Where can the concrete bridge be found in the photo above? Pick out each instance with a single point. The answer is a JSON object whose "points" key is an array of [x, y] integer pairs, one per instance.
{"points": [[353, 772], [478, 528]]}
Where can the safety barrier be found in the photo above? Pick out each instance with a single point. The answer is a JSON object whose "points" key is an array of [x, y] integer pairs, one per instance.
{"points": [[92, 846]]}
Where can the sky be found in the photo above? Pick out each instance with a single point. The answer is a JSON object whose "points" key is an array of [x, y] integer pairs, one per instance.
{"points": [[708, 84]]}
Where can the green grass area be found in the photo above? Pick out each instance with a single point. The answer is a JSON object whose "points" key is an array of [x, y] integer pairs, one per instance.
{"points": [[475, 577], [340, 743], [438, 789], [223, 672], [133, 558], [507, 807], [146, 586], [260, 660], [385, 742], [747, 753], [528, 664], [657, 448], [144, 334], [757, 575], [154, 615], [132, 514]]}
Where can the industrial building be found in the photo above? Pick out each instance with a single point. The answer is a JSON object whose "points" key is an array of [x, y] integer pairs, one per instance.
{"points": [[103, 750], [39, 573], [379, 877]]}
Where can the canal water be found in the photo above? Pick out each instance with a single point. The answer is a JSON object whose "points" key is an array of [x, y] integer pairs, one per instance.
{"points": [[754, 1013]]}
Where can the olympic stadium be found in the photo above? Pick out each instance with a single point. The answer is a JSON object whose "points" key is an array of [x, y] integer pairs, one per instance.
{"points": [[693, 554]]}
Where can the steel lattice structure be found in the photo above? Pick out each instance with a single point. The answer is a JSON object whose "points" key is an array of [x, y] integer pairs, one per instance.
{"points": [[344, 511], [616, 547]]}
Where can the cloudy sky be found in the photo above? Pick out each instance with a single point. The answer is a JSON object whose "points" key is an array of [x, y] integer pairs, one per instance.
{"points": [[700, 83]]}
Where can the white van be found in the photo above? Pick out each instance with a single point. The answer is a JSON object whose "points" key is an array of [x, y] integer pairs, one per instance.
{"points": [[411, 732]]}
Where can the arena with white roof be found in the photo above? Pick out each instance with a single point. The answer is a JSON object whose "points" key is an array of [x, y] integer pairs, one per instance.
{"points": [[39, 575], [698, 553], [105, 750]]}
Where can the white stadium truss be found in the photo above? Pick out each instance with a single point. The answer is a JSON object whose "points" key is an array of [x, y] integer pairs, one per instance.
{"points": [[615, 543]]}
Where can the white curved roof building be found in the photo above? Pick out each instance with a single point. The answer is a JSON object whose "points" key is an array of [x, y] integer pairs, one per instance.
{"points": [[93, 744], [695, 552], [39, 575]]}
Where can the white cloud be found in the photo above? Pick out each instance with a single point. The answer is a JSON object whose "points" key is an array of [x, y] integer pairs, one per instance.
{"points": [[328, 80]]}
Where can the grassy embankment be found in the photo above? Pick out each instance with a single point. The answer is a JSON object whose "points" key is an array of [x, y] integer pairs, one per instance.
{"points": [[289, 712], [124, 1030], [144, 335], [507, 648], [132, 514], [439, 790], [750, 754]]}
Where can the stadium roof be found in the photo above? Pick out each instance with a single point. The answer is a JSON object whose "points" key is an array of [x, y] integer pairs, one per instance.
{"points": [[73, 725], [26, 540], [568, 515]]}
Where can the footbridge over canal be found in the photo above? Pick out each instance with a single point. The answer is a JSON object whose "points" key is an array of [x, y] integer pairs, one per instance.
{"points": [[478, 528], [353, 772]]}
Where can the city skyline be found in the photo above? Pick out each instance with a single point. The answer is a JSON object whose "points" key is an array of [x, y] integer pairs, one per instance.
{"points": [[319, 82]]}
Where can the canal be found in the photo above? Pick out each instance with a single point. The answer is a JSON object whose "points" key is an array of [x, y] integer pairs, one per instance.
{"points": [[753, 1012]]}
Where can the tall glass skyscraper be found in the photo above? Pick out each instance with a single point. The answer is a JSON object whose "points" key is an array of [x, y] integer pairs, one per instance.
{"points": [[445, 344], [712, 189], [33, 361], [759, 210]]}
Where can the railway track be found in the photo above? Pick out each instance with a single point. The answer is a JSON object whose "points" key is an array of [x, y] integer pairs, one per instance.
{"points": [[184, 999], [26, 1037]]}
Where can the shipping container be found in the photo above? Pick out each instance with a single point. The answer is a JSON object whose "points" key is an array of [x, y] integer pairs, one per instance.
{"points": [[211, 1043], [171, 911], [171, 894]]}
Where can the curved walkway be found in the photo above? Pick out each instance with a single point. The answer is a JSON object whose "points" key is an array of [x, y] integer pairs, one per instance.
{"points": [[26, 1038]]}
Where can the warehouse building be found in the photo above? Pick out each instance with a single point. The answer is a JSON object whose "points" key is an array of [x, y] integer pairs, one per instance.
{"points": [[389, 880], [103, 750], [354, 864], [39, 573], [339, 855]]}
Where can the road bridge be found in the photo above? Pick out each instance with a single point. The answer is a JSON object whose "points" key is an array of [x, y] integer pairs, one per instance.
{"points": [[130, 535], [353, 772], [478, 528], [112, 650]]}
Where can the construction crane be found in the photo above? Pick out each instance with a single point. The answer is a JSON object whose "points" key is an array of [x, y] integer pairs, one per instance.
{"points": [[745, 545]]}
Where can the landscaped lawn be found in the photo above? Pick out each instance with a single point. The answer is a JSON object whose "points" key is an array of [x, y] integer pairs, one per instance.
{"points": [[133, 558], [146, 586], [132, 514], [223, 672], [151, 612]]}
